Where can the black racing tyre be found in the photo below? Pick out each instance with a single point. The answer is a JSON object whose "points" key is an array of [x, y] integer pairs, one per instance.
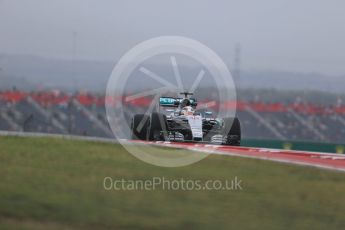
{"points": [[158, 125], [139, 133], [233, 137]]}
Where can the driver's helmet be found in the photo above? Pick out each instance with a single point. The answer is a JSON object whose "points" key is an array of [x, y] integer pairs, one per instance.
{"points": [[186, 108], [185, 102]]}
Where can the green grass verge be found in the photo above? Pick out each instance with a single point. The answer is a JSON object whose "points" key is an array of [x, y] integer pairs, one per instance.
{"points": [[48, 183]]}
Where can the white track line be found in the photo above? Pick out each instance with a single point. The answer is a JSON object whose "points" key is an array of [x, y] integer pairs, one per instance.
{"points": [[215, 151]]}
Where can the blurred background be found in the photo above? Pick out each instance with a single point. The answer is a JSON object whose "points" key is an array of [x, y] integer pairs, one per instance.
{"points": [[286, 58]]}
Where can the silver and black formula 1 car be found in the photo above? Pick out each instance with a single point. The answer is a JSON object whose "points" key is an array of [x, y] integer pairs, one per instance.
{"points": [[182, 122]]}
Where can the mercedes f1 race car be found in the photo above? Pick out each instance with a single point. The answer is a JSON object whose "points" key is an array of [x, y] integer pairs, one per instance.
{"points": [[180, 121]]}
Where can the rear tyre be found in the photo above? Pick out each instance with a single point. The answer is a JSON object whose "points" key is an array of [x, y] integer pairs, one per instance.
{"points": [[139, 126], [157, 130], [233, 137]]}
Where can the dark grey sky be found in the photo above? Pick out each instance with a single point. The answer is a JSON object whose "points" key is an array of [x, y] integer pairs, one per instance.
{"points": [[293, 35]]}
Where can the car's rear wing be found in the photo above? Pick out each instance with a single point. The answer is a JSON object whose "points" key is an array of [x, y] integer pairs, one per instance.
{"points": [[174, 102]]}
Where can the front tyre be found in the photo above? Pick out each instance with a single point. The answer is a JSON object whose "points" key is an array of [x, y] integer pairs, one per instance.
{"points": [[157, 130], [139, 126], [233, 137]]}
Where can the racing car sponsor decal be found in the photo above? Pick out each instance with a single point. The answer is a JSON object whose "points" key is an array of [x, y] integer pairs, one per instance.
{"points": [[195, 123]]}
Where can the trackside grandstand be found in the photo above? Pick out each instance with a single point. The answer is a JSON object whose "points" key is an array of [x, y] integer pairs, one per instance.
{"points": [[84, 114]]}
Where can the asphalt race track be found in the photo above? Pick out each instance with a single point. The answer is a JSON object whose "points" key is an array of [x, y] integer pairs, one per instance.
{"points": [[320, 160]]}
